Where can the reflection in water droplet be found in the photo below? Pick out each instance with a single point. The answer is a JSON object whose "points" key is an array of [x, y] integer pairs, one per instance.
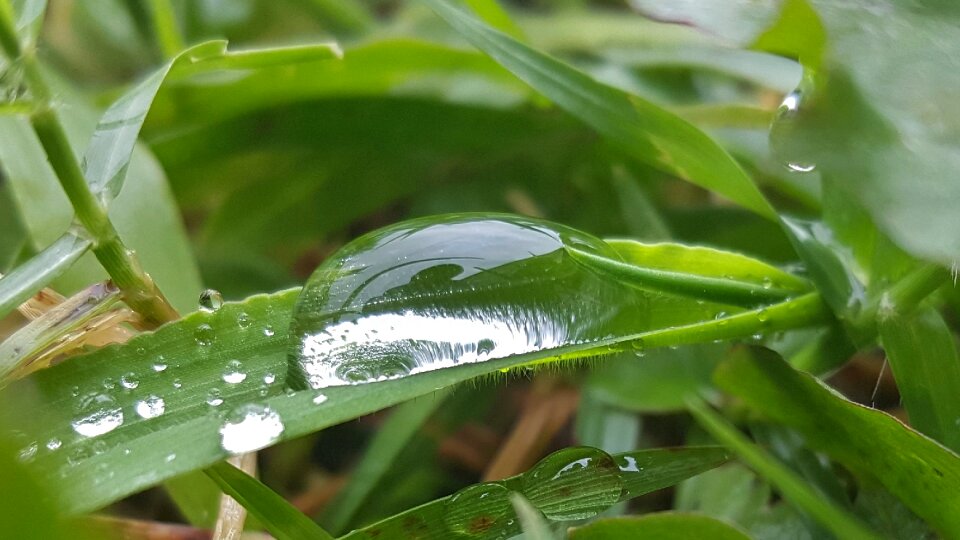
{"points": [[319, 398], [243, 320], [98, 414], [268, 331], [177, 383], [480, 511], [234, 375], [800, 167], [250, 427], [159, 367], [269, 378], [151, 407], [434, 293], [28, 452], [203, 335], [210, 300], [53, 444], [129, 381], [573, 483]]}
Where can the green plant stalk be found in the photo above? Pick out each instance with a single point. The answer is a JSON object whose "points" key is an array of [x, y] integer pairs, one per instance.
{"points": [[139, 291], [165, 28], [903, 297]]}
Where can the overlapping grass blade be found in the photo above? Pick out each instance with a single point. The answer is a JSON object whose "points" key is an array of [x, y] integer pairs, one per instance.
{"points": [[28, 278]]}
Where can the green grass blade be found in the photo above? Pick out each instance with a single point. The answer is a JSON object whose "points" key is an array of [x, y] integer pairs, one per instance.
{"points": [[276, 514], [391, 438], [789, 483], [659, 526], [28, 278], [921, 472], [532, 523], [923, 357], [648, 132]]}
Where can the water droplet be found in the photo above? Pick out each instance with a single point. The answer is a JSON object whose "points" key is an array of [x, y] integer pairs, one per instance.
{"points": [[141, 351], [177, 383], [763, 315], [479, 511], [269, 378], [268, 331], [250, 427], [28, 452], [54, 444], [444, 291], [783, 133], [98, 414], [319, 398], [203, 335], [573, 483], [210, 300], [213, 398], [170, 458], [637, 345], [243, 320], [129, 381], [233, 374], [151, 407], [159, 367], [108, 384]]}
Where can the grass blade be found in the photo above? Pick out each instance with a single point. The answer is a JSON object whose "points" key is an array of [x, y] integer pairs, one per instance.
{"points": [[922, 473], [276, 514], [647, 131], [923, 357], [790, 484], [662, 525], [531, 520], [25, 280]]}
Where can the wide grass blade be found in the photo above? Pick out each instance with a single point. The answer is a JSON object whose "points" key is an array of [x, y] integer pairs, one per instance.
{"points": [[276, 514], [918, 470], [643, 129]]}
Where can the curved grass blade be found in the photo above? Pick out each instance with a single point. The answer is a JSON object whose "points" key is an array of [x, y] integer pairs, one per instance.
{"points": [[532, 522], [643, 129], [28, 278], [108, 155], [873, 444], [638, 472], [659, 526], [791, 485], [276, 514]]}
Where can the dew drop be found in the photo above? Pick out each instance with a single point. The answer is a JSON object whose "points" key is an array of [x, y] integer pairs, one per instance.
{"points": [[213, 398], [98, 414], [243, 320], [28, 452], [178, 384], [210, 300], [319, 398], [573, 483], [234, 373], [269, 378], [203, 335], [449, 290], [783, 134], [170, 458], [250, 427], [159, 367], [129, 381], [479, 511], [268, 331], [54, 444], [763, 315], [150, 407]]}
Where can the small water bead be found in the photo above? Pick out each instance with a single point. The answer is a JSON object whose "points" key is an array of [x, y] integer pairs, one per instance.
{"points": [[269, 378], [177, 384], [151, 407], [210, 300], [573, 483], [159, 367], [243, 320], [268, 331], [249, 428], [319, 398], [97, 414], [213, 398], [480, 511], [170, 458], [234, 373], [129, 381], [54, 444], [203, 335]]}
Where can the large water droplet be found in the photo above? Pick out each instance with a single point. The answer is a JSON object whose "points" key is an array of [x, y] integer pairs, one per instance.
{"points": [[480, 511], [98, 414], [210, 300], [150, 407], [438, 292], [203, 334], [234, 373], [250, 427], [783, 134], [573, 483]]}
